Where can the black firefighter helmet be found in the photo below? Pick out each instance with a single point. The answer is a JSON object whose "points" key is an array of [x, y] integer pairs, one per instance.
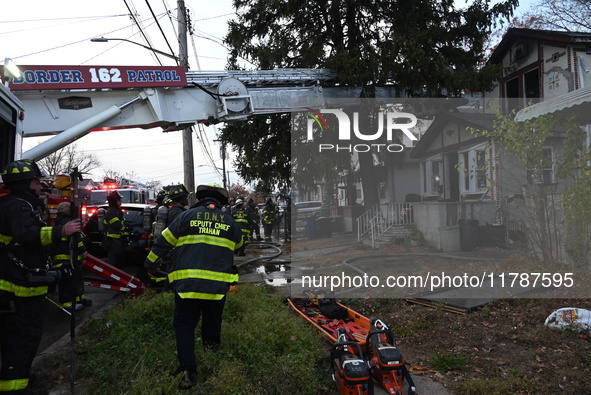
{"points": [[20, 170], [177, 192], [213, 191], [113, 197]]}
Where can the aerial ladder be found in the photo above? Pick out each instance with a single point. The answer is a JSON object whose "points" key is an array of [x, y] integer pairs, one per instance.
{"points": [[198, 97], [71, 101]]}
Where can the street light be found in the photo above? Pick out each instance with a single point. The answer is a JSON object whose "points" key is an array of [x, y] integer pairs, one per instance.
{"points": [[104, 40], [11, 70]]}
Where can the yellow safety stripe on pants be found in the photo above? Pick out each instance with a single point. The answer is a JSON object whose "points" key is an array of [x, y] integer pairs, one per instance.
{"points": [[114, 235], [202, 274], [78, 299], [13, 385], [207, 239], [200, 295], [25, 292], [46, 233]]}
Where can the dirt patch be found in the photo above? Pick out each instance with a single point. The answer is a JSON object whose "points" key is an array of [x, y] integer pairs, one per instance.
{"points": [[501, 347]]}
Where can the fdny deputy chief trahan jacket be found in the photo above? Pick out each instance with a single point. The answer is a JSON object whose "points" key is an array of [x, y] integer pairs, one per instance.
{"points": [[201, 242]]}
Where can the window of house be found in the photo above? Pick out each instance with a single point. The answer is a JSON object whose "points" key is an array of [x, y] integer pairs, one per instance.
{"points": [[432, 170], [543, 173], [474, 167], [512, 96], [531, 86]]}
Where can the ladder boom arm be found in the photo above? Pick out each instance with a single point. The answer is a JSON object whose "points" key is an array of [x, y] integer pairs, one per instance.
{"points": [[75, 132]]}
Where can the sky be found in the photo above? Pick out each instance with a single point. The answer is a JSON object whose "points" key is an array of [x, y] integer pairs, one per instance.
{"points": [[36, 32]]}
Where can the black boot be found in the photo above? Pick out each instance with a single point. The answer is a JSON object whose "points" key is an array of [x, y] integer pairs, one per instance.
{"points": [[187, 378]]}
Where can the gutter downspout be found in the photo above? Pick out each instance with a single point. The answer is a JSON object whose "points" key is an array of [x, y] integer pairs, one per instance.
{"points": [[81, 129]]}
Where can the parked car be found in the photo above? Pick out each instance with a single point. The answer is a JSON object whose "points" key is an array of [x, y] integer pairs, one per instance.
{"points": [[138, 242], [308, 209]]}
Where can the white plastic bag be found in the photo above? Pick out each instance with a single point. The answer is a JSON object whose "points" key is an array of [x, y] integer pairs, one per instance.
{"points": [[570, 317]]}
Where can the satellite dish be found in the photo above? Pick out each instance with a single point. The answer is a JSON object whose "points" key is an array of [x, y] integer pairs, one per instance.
{"points": [[234, 94]]}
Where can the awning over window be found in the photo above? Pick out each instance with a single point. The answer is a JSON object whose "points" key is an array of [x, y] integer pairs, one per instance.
{"points": [[578, 102]]}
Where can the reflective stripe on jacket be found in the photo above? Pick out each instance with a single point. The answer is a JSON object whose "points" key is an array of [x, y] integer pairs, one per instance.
{"points": [[201, 243], [25, 237], [269, 214], [61, 250], [114, 223], [241, 217], [13, 385]]}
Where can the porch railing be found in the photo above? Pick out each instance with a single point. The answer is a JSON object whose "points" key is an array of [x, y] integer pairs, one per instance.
{"points": [[377, 220], [365, 221]]}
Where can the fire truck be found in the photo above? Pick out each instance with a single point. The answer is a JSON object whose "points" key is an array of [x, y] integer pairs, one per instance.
{"points": [[96, 195], [12, 114], [71, 101], [130, 191], [59, 189]]}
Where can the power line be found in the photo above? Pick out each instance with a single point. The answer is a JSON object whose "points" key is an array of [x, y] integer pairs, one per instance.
{"points": [[65, 18], [128, 147], [141, 29], [201, 139], [205, 147], [160, 27], [120, 42], [214, 17], [68, 44], [51, 26], [170, 18]]}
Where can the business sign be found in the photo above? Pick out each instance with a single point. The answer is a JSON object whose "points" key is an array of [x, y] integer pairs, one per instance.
{"points": [[97, 77], [74, 103]]}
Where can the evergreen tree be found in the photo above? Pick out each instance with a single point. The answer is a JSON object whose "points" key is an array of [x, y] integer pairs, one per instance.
{"points": [[421, 47]]}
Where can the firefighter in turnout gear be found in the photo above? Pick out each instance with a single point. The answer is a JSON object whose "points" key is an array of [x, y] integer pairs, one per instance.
{"points": [[160, 198], [25, 275], [269, 218], [115, 229], [72, 283], [175, 202], [254, 217], [201, 242], [178, 199], [241, 217]]}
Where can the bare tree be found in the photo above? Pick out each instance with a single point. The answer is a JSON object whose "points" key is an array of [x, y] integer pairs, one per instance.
{"points": [[568, 15], [64, 160], [528, 20], [237, 190]]}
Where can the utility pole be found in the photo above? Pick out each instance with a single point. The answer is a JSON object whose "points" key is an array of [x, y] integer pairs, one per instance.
{"points": [[223, 155], [189, 171]]}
